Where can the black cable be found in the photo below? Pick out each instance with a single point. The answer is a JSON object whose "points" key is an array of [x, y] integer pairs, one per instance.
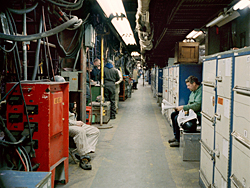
{"points": [[8, 92], [13, 30], [46, 58], [40, 35], [28, 157], [10, 50], [37, 50], [13, 143], [25, 107]]}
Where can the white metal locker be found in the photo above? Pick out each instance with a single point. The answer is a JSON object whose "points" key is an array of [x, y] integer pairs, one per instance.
{"points": [[219, 180], [207, 134], [208, 103], [156, 80], [223, 116], [206, 168], [240, 176], [224, 76], [221, 154], [242, 67], [209, 71], [164, 84], [241, 126]]}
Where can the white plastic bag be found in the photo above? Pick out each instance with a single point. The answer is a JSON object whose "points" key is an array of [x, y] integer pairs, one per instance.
{"points": [[182, 117]]}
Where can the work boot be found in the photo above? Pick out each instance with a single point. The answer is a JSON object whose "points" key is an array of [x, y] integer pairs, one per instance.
{"points": [[172, 140], [175, 144]]}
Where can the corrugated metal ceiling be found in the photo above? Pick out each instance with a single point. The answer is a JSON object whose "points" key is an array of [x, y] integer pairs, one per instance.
{"points": [[173, 20]]}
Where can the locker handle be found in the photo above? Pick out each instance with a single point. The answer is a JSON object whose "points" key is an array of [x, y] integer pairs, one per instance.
{"points": [[241, 139], [236, 181], [219, 78], [207, 83], [210, 152], [218, 116], [242, 90], [207, 116]]}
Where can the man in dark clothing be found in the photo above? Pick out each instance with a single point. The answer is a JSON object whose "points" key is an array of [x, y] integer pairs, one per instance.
{"points": [[111, 76], [95, 74]]}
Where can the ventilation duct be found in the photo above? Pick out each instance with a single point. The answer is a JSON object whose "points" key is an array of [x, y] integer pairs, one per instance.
{"points": [[143, 28]]}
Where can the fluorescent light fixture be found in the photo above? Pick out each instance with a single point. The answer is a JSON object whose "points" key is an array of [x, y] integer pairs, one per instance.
{"points": [[216, 20], [197, 34], [135, 53], [121, 25], [241, 5], [194, 34], [112, 7], [231, 17]]}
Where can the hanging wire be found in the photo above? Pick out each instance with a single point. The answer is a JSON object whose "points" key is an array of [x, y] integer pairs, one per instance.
{"points": [[25, 168]]}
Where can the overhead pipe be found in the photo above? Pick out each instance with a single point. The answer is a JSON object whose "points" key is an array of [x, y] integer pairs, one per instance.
{"points": [[24, 46], [142, 21], [37, 50]]}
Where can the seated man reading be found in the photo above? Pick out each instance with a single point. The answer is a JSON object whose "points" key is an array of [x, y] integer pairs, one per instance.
{"points": [[194, 103], [85, 137]]}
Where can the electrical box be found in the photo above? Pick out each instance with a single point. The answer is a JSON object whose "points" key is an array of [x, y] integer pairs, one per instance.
{"points": [[48, 113], [90, 35], [72, 78], [186, 52]]}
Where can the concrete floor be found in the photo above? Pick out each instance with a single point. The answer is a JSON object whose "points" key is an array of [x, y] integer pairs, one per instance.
{"points": [[135, 153]]}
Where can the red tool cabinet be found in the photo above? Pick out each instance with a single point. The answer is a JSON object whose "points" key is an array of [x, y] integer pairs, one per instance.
{"points": [[48, 109]]}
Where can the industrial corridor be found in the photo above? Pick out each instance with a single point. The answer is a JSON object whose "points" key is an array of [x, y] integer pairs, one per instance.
{"points": [[135, 153]]}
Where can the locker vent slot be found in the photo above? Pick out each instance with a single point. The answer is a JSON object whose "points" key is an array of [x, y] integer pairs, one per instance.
{"points": [[15, 117], [241, 139]]}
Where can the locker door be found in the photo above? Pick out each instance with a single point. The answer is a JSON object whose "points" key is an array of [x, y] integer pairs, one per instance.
{"points": [[221, 155], [206, 168], [224, 77], [240, 176], [207, 133], [223, 116], [209, 71], [219, 180], [208, 103]]}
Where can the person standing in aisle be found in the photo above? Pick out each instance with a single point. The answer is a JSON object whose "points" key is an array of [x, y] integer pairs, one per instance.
{"points": [[135, 78], [96, 72], [117, 88], [194, 103], [111, 76]]}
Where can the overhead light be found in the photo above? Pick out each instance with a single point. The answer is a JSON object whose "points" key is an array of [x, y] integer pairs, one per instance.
{"points": [[122, 26], [194, 34], [217, 20], [241, 4], [135, 53], [232, 16], [114, 9]]}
